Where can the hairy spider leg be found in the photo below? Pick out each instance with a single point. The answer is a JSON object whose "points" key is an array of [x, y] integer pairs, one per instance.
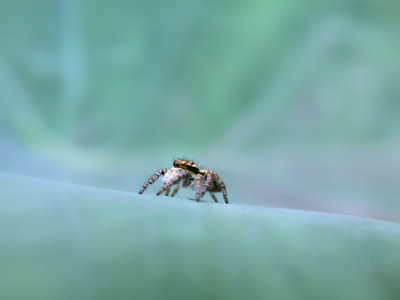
{"points": [[207, 184], [175, 191], [213, 196], [222, 185], [198, 186], [152, 179], [175, 180]]}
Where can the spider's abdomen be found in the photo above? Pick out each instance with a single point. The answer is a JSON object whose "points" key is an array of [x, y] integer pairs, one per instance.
{"points": [[171, 174]]}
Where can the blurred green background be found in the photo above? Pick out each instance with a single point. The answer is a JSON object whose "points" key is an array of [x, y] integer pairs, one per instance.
{"points": [[294, 103]]}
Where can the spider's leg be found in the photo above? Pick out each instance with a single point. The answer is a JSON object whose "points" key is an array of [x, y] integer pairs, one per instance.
{"points": [[176, 190], [225, 193], [222, 185], [173, 181], [198, 186], [213, 196], [207, 184], [167, 192], [152, 179]]}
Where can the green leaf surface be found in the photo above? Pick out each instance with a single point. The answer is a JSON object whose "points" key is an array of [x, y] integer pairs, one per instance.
{"points": [[63, 241]]}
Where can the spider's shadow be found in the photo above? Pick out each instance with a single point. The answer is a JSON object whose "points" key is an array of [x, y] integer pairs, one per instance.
{"points": [[192, 199]]}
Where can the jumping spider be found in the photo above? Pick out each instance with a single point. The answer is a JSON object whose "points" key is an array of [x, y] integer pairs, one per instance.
{"points": [[186, 173]]}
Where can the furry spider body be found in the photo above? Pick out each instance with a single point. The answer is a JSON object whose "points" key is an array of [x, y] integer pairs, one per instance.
{"points": [[187, 174]]}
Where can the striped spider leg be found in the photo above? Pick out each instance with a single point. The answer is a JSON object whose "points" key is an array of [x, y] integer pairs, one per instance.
{"points": [[152, 179], [213, 183]]}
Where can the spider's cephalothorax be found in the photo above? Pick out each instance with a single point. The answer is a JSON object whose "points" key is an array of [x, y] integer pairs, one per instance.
{"points": [[186, 173]]}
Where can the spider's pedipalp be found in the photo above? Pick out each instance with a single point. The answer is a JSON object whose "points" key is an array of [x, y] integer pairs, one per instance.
{"points": [[152, 179], [173, 181]]}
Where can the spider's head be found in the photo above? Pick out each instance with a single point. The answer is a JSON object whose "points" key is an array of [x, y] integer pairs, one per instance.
{"points": [[186, 165]]}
